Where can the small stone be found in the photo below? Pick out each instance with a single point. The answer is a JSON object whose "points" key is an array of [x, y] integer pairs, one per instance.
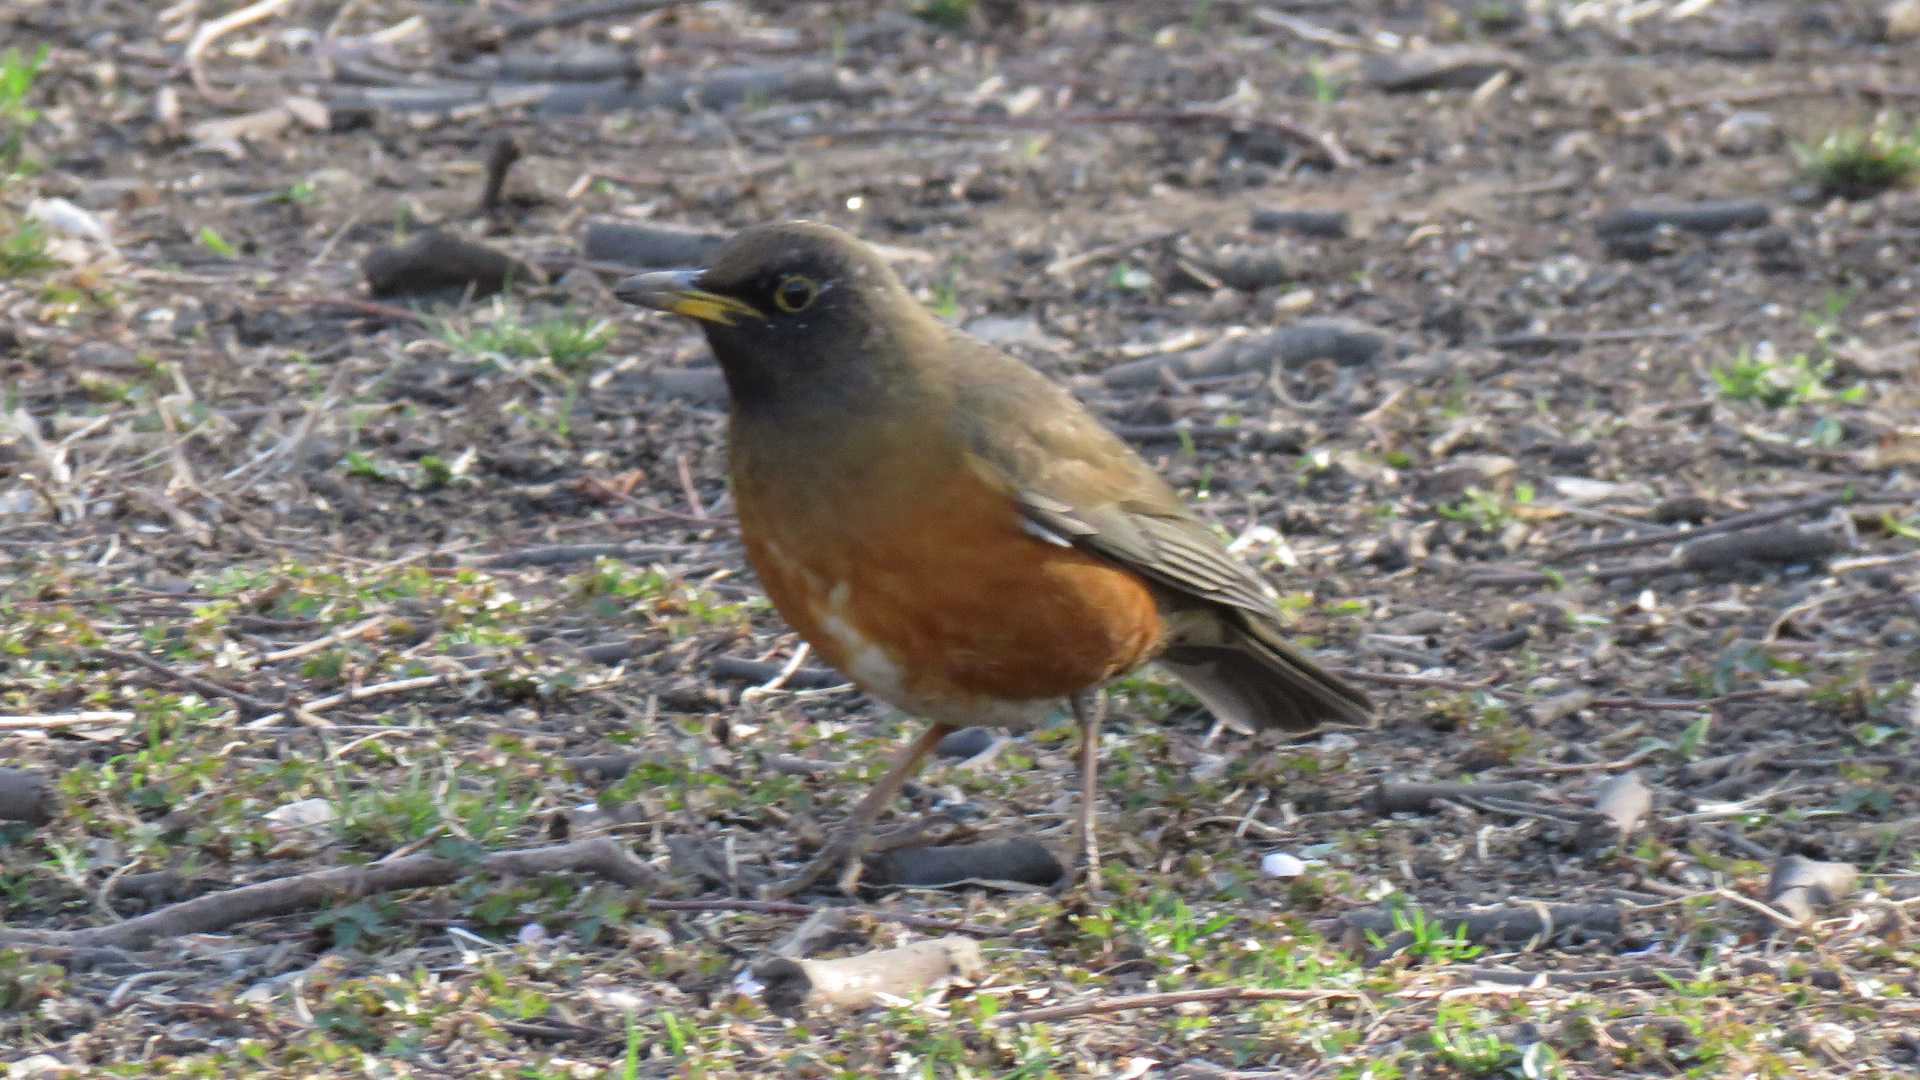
{"points": [[1745, 132], [1282, 865], [1828, 1039], [965, 743], [103, 356], [306, 813], [644, 937], [1006, 330]]}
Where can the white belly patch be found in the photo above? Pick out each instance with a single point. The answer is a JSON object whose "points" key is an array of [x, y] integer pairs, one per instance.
{"points": [[868, 662], [872, 666]]}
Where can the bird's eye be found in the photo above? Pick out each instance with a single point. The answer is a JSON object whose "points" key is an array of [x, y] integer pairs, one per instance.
{"points": [[795, 293]]}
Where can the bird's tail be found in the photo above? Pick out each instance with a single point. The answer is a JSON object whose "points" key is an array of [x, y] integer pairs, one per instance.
{"points": [[1245, 675]]}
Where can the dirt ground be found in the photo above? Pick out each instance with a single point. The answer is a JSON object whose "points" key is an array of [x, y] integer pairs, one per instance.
{"points": [[1619, 524]]}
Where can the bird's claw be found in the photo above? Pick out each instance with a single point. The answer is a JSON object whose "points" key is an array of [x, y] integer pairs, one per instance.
{"points": [[839, 856]]}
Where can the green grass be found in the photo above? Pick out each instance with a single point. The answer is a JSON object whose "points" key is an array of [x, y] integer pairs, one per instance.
{"points": [[23, 252], [211, 239], [946, 14], [1326, 86], [1800, 379], [568, 343], [1461, 1038], [1861, 162], [946, 296], [17, 73], [1429, 938], [1488, 512]]}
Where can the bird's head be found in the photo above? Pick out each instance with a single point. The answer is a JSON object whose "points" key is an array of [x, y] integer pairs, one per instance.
{"points": [[792, 311]]}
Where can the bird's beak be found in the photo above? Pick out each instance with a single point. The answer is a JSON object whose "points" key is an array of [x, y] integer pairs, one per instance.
{"points": [[674, 290]]}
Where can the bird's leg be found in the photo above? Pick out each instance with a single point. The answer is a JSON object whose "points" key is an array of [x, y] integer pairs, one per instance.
{"points": [[842, 853], [1089, 708]]}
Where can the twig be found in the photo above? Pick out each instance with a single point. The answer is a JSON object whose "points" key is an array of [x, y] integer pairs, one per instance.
{"points": [[1777, 917], [211, 32], [528, 25], [1518, 978], [741, 669], [1627, 762], [1424, 681], [1101, 1006], [358, 693], [204, 686], [773, 685], [1815, 505], [1309, 32], [1329, 148], [658, 513], [687, 487], [563, 554], [1403, 797], [1595, 337], [1519, 809], [1758, 95], [1112, 251], [286, 447], [1871, 562], [283, 896], [60, 720], [1681, 704], [347, 633], [785, 907]]}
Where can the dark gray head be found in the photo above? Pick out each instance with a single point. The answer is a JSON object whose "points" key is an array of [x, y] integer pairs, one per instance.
{"points": [[793, 311]]}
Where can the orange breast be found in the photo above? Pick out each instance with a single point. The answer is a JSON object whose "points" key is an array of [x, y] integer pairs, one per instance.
{"points": [[937, 600]]}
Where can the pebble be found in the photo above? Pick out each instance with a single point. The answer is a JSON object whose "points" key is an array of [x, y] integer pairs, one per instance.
{"points": [[964, 743], [1282, 865]]}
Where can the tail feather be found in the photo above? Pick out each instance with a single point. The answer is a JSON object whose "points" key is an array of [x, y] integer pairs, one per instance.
{"points": [[1251, 679]]}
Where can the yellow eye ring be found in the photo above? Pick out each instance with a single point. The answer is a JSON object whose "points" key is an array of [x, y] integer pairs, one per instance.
{"points": [[795, 293]]}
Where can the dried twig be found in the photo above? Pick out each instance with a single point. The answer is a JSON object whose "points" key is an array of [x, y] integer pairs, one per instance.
{"points": [[62, 720], [786, 907], [282, 896], [1123, 1003], [1393, 797], [1816, 505], [573, 15], [1112, 251], [210, 32], [205, 686], [1328, 147], [326, 641], [1774, 915], [358, 693]]}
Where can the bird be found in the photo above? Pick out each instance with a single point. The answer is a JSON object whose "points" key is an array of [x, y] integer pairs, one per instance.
{"points": [[955, 533]]}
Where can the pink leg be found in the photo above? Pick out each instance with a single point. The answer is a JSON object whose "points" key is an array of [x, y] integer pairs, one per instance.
{"points": [[1090, 708], [843, 852]]}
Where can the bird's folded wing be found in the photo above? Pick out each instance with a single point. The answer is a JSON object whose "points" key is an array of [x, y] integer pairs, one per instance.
{"points": [[1078, 483], [1176, 551]]}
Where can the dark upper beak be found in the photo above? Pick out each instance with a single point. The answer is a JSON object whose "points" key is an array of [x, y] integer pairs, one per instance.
{"points": [[677, 291]]}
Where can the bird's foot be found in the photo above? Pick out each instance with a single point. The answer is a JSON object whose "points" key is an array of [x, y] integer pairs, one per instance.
{"points": [[842, 855]]}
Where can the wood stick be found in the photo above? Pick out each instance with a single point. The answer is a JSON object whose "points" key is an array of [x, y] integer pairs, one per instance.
{"points": [[1101, 1006], [282, 896]]}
